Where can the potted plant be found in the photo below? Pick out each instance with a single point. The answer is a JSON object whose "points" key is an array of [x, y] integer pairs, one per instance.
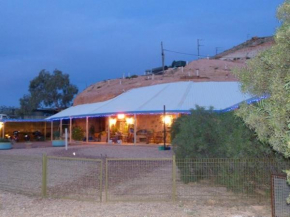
{"points": [[57, 141], [5, 144], [77, 134], [91, 132]]}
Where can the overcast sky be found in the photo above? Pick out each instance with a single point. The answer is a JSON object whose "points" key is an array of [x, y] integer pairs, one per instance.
{"points": [[94, 40]]}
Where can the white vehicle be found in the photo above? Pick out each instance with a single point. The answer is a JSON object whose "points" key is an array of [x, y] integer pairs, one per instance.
{"points": [[3, 117]]}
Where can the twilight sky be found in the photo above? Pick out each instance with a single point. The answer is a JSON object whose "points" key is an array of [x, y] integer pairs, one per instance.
{"points": [[94, 40]]}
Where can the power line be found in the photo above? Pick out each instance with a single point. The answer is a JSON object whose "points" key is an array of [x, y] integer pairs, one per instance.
{"points": [[183, 53]]}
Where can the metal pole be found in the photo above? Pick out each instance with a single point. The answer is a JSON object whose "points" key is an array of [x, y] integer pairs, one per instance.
{"points": [[108, 128], [65, 130], [44, 131], [164, 128], [51, 130], [173, 178], [44, 175], [3, 132], [135, 129], [70, 130], [60, 129], [87, 129], [162, 54]]}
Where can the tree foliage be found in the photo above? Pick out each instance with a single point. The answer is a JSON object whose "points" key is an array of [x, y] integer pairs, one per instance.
{"points": [[8, 110], [48, 90], [269, 74]]}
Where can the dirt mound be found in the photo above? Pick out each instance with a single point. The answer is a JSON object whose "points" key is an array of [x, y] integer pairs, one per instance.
{"points": [[199, 71]]}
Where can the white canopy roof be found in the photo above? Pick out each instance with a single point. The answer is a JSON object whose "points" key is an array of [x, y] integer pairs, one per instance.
{"points": [[178, 97]]}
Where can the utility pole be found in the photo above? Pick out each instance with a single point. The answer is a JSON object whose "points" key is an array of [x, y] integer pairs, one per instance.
{"points": [[198, 45], [216, 50], [162, 54]]}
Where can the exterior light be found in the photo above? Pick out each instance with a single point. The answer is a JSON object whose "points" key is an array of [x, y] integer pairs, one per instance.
{"points": [[112, 121], [1, 125], [129, 121], [167, 120], [121, 116]]}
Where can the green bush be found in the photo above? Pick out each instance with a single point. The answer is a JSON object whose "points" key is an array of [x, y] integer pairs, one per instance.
{"points": [[207, 134], [56, 135], [77, 133]]}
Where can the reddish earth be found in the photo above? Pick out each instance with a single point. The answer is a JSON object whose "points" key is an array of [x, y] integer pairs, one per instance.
{"points": [[217, 69]]}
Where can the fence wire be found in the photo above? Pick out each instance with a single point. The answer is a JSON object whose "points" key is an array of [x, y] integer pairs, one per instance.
{"points": [[74, 178], [21, 174], [226, 178], [164, 179], [280, 191], [139, 179]]}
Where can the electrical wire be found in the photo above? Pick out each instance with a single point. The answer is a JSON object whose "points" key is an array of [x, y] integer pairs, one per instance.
{"points": [[184, 53]]}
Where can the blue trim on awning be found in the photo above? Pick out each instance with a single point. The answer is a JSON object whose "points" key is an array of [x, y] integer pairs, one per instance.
{"points": [[231, 108]]}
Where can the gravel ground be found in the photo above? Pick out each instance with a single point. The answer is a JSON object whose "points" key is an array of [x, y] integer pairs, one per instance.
{"points": [[19, 205]]}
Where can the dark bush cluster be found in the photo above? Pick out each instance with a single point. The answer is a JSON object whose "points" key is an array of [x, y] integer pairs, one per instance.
{"points": [[206, 134]]}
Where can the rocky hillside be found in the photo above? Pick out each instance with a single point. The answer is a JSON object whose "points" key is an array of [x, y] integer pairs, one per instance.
{"points": [[199, 70], [217, 69], [246, 50]]}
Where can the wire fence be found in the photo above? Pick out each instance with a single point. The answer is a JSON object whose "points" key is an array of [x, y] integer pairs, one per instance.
{"points": [[21, 174], [280, 192], [74, 178], [165, 179], [226, 177], [139, 179]]}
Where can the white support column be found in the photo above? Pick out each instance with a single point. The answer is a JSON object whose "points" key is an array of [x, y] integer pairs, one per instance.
{"points": [[51, 130], [135, 129], [87, 129], [70, 130], [108, 128], [3, 130], [60, 129]]}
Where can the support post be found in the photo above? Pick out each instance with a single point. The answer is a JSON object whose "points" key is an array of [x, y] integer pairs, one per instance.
{"points": [[44, 175], [44, 130], [108, 129], [70, 130], [60, 129], [3, 130], [173, 178], [65, 141], [162, 54], [164, 127], [87, 129], [51, 130], [135, 129]]}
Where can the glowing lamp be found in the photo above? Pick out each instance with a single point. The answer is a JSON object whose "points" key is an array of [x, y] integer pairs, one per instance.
{"points": [[121, 116], [129, 121], [1, 125], [112, 121], [167, 120]]}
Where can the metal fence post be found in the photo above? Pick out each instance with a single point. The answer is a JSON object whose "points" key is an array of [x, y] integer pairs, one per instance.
{"points": [[44, 175], [106, 181], [173, 178], [101, 181]]}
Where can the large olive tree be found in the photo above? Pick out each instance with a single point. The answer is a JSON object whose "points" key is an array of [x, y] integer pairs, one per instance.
{"points": [[268, 74]]}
